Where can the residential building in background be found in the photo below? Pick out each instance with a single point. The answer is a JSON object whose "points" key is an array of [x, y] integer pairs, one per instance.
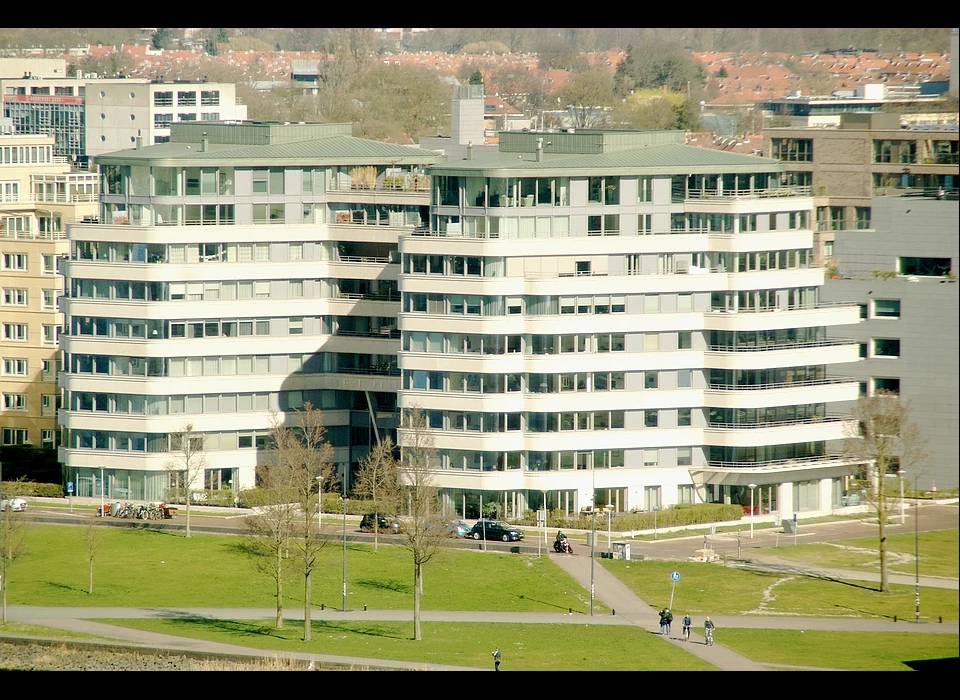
{"points": [[238, 270], [88, 116], [902, 271], [865, 155], [615, 318], [39, 197]]}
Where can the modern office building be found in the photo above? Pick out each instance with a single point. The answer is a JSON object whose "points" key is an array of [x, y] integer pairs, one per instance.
{"points": [[902, 271], [88, 116], [616, 318], [865, 155], [237, 270], [38, 199]]}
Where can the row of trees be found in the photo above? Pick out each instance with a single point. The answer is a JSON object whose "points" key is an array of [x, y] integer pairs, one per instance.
{"points": [[283, 533]]}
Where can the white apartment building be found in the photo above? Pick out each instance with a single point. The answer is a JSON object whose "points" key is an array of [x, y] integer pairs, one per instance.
{"points": [[237, 270], [614, 318], [89, 116]]}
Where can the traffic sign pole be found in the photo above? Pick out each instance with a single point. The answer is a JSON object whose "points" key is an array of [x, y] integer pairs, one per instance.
{"points": [[674, 576]]}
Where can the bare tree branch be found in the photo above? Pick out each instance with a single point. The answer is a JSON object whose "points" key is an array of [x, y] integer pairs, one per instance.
{"points": [[187, 462]]}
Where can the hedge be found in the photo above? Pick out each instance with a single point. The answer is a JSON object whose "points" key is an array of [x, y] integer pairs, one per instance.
{"points": [[29, 488], [672, 516]]}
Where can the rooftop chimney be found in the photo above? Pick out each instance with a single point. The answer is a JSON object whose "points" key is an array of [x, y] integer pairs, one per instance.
{"points": [[204, 142], [539, 149], [469, 150]]}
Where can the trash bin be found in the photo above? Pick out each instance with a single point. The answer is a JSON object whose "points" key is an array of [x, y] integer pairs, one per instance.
{"points": [[621, 550], [790, 527]]}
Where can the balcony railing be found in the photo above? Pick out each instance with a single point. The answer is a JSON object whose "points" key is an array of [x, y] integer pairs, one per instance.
{"points": [[77, 198], [784, 191], [369, 297], [784, 346], [383, 333], [792, 307], [782, 385], [34, 235], [778, 463], [777, 424]]}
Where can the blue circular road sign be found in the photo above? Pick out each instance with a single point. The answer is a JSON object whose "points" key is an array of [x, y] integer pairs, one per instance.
{"points": [[675, 575]]}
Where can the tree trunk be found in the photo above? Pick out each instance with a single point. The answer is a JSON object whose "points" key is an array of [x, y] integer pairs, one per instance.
{"points": [[3, 587], [306, 606], [90, 589], [279, 572], [417, 573], [188, 510], [884, 586]]}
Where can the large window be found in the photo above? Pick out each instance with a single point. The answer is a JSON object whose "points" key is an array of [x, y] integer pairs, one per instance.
{"points": [[886, 308], [924, 267], [890, 151], [886, 347], [793, 150]]}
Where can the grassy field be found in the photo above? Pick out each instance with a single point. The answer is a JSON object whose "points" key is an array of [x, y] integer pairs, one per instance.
{"points": [[523, 646], [853, 651], [147, 568], [710, 589], [938, 553], [40, 631]]}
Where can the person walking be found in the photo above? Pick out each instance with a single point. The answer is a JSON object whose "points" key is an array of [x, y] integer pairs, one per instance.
{"points": [[663, 621], [496, 659], [669, 620]]}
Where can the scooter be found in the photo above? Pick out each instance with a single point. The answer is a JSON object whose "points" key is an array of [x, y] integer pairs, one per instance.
{"points": [[562, 546]]}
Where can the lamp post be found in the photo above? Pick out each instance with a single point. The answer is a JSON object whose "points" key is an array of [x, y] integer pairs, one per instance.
{"points": [[752, 512], [101, 492], [902, 514], [916, 547], [343, 499], [593, 532]]}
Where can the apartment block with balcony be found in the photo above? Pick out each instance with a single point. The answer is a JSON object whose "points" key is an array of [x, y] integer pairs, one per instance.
{"points": [[614, 318], [237, 270], [89, 116], [902, 272], [39, 197], [865, 155]]}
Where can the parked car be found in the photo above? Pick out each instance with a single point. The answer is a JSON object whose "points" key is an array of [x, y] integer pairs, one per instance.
{"points": [[457, 528], [495, 530], [17, 504], [384, 523]]}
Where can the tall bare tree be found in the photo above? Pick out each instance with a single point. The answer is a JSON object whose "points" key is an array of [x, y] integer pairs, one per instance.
{"points": [[424, 534], [285, 513], [590, 95], [13, 543], [187, 462], [377, 482], [91, 540], [886, 439]]}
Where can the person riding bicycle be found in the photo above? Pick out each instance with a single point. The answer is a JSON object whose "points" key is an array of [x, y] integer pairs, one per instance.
{"points": [[687, 623], [708, 628]]}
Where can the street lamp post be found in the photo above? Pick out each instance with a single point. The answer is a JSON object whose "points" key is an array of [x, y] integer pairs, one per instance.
{"points": [[752, 512], [101, 492], [320, 502], [344, 501], [593, 534], [916, 547], [902, 513]]}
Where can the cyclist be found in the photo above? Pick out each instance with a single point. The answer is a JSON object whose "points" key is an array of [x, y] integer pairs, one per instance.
{"points": [[687, 622], [708, 628]]}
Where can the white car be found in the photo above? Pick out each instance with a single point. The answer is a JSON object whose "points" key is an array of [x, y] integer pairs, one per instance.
{"points": [[15, 504]]}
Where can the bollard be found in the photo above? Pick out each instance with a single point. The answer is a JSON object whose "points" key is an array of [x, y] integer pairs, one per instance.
{"points": [[941, 619], [364, 607], [613, 611], [570, 611], [894, 618]]}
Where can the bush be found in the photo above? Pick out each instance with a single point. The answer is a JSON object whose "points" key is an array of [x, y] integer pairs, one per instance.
{"points": [[29, 488], [202, 497], [673, 516]]}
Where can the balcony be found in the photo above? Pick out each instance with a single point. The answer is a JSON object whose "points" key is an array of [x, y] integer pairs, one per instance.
{"points": [[784, 191], [832, 342], [826, 381]]}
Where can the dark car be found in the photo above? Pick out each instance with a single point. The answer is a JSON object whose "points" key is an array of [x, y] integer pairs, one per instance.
{"points": [[495, 530], [384, 523]]}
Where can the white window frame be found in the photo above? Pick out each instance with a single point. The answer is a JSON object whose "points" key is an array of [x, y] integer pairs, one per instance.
{"points": [[15, 367], [14, 296], [14, 402], [16, 332], [15, 262]]}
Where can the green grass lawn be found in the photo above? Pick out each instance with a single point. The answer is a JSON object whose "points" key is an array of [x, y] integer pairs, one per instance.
{"points": [[148, 568], [710, 589], [938, 553], [523, 646], [854, 651], [40, 631]]}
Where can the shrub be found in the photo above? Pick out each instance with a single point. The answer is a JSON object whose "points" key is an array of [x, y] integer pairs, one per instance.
{"points": [[673, 516], [29, 488]]}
